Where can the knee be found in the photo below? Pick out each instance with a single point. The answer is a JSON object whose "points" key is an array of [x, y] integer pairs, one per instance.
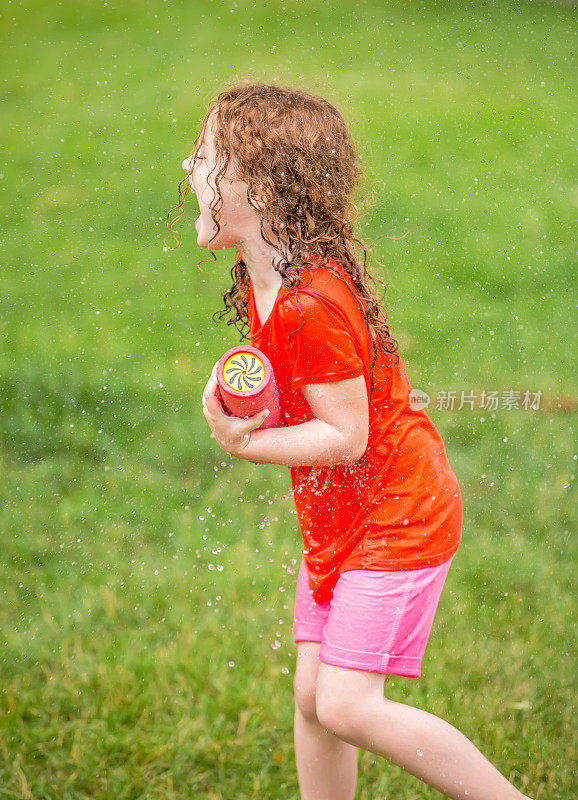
{"points": [[305, 698], [334, 711], [342, 713]]}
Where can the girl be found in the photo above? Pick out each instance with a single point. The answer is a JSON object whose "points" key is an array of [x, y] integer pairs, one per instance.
{"points": [[378, 504]]}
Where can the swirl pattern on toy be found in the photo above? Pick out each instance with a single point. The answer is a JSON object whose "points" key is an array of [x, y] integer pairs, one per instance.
{"points": [[244, 372]]}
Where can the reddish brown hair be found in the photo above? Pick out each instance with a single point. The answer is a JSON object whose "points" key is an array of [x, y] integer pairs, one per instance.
{"points": [[297, 156]]}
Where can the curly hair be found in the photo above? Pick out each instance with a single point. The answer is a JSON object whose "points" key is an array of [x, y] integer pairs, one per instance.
{"points": [[296, 154]]}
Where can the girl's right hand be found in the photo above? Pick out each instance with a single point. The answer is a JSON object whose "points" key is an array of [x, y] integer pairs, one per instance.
{"points": [[232, 433]]}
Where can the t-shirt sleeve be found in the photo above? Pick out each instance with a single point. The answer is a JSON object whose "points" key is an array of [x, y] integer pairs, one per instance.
{"points": [[322, 345]]}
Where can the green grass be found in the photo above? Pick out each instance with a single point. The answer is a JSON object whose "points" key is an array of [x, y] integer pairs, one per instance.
{"points": [[147, 578]]}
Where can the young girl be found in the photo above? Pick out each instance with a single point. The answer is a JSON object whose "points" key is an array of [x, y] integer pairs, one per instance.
{"points": [[378, 504]]}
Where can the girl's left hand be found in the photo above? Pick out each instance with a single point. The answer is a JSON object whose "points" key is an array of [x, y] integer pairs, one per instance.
{"points": [[232, 433]]}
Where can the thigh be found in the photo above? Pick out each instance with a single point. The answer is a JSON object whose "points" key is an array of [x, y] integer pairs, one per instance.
{"points": [[347, 699], [344, 688]]}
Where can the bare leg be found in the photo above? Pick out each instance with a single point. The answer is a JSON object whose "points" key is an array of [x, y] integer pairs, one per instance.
{"points": [[326, 765], [351, 704]]}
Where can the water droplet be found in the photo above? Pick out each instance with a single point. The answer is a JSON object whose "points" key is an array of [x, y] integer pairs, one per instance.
{"points": [[420, 753]]}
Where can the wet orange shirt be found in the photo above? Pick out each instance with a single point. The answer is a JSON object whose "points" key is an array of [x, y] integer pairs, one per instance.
{"points": [[398, 507]]}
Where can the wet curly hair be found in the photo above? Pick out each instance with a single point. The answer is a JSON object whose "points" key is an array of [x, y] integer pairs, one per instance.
{"points": [[296, 154]]}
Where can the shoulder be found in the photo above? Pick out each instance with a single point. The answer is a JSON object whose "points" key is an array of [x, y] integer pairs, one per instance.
{"points": [[322, 293]]}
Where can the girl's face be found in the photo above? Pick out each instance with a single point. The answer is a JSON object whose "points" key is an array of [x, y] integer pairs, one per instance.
{"points": [[239, 221]]}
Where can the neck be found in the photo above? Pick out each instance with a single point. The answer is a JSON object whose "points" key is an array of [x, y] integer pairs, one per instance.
{"points": [[259, 258]]}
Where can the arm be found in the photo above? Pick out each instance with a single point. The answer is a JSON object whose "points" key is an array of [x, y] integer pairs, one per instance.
{"points": [[337, 434]]}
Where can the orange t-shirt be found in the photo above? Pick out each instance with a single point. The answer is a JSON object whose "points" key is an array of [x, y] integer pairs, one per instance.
{"points": [[399, 506]]}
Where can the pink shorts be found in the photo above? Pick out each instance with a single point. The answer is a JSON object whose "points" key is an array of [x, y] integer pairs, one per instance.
{"points": [[376, 621]]}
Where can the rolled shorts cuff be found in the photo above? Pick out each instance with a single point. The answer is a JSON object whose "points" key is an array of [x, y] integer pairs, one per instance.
{"points": [[306, 631], [404, 666]]}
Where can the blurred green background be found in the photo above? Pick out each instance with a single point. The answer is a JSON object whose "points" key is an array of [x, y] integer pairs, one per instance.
{"points": [[148, 578]]}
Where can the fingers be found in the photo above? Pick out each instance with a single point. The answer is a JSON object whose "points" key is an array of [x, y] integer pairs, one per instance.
{"points": [[247, 426], [211, 391], [251, 423], [211, 406]]}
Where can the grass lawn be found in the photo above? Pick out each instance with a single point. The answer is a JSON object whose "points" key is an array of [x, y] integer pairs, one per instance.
{"points": [[147, 578]]}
